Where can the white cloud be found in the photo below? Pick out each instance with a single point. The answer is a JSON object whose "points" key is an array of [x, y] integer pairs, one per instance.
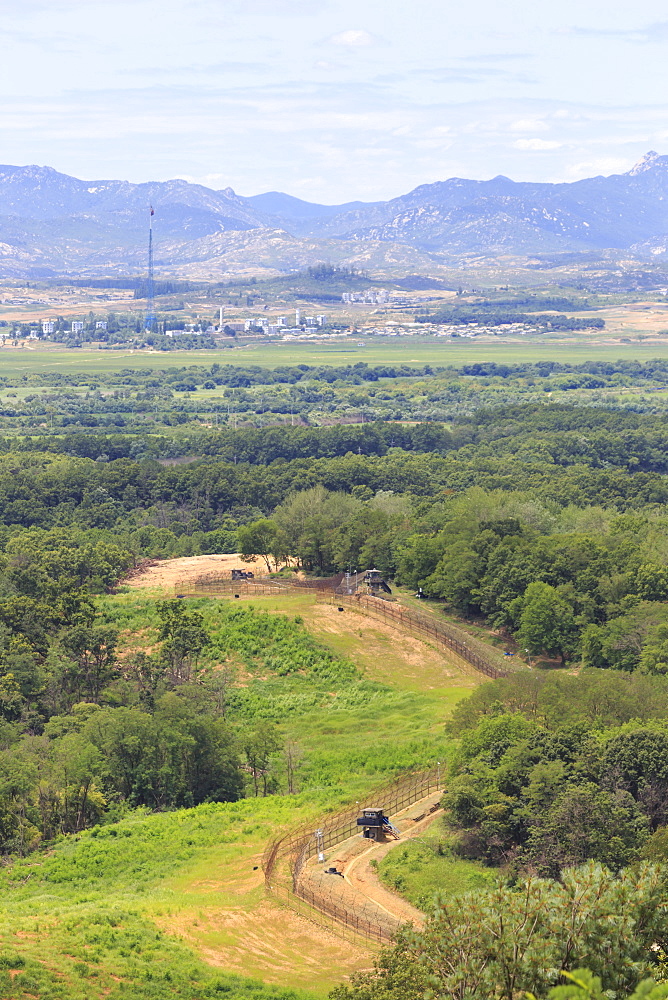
{"points": [[353, 39], [656, 32], [215, 181], [528, 125], [603, 165], [536, 144]]}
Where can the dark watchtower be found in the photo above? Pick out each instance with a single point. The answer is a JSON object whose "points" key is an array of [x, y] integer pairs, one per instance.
{"points": [[375, 824], [242, 574], [375, 582]]}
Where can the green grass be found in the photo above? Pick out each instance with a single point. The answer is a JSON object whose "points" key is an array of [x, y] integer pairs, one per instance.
{"points": [[351, 725], [420, 868], [381, 350], [173, 904], [83, 920]]}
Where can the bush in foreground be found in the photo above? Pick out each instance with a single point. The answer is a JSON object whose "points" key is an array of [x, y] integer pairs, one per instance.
{"points": [[500, 944]]}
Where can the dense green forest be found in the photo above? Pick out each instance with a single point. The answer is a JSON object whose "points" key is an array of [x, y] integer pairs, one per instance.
{"points": [[598, 933], [526, 501], [554, 770], [526, 515]]}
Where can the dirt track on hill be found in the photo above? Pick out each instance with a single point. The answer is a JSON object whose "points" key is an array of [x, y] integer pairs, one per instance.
{"points": [[364, 877], [360, 886]]}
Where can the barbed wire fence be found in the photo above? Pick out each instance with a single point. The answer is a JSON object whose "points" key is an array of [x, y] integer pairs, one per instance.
{"points": [[324, 897], [411, 620], [423, 626], [329, 900]]}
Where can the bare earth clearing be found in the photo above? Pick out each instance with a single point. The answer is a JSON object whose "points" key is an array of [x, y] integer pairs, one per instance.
{"points": [[269, 942], [169, 572]]}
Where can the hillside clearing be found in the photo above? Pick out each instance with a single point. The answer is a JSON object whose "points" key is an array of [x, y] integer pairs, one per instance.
{"points": [[384, 651], [195, 874], [167, 573], [217, 904]]}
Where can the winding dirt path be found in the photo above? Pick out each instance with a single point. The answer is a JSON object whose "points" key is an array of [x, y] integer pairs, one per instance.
{"points": [[360, 885], [363, 876]]}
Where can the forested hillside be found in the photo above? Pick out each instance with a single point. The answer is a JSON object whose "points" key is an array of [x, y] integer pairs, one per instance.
{"points": [[536, 523]]}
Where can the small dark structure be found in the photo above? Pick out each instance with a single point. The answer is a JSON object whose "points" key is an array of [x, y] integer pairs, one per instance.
{"points": [[242, 574], [375, 825], [375, 582]]}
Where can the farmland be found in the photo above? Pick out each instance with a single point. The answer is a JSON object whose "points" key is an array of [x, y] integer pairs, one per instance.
{"points": [[409, 351]]}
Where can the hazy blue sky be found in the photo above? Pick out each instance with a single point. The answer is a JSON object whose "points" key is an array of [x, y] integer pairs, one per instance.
{"points": [[332, 100]]}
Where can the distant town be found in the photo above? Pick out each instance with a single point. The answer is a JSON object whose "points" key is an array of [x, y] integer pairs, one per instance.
{"points": [[187, 316]]}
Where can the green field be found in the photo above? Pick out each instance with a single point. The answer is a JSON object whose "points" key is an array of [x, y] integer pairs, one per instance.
{"points": [[418, 351]]}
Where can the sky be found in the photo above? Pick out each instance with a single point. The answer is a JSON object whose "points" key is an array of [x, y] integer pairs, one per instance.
{"points": [[332, 100]]}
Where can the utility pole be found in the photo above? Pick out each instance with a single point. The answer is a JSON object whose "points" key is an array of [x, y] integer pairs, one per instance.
{"points": [[150, 322]]}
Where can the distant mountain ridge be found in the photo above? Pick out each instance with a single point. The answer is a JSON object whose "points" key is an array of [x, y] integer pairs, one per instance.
{"points": [[51, 223]]}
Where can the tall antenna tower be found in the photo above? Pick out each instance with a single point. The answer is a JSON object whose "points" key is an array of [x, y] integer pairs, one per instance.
{"points": [[150, 322]]}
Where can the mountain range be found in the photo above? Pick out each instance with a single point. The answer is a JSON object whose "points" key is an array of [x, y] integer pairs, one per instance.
{"points": [[52, 224]]}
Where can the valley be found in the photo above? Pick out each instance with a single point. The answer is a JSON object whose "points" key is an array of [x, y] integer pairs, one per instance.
{"points": [[207, 891], [333, 501]]}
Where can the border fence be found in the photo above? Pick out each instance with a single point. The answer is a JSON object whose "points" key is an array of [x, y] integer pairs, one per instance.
{"points": [[286, 869], [423, 626], [418, 623], [288, 875]]}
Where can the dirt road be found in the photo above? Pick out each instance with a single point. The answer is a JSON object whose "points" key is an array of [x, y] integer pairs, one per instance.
{"points": [[363, 876], [360, 890]]}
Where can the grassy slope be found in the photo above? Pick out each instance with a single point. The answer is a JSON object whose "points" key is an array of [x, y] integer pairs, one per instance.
{"points": [[416, 350], [415, 868], [173, 904], [83, 921], [354, 733]]}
